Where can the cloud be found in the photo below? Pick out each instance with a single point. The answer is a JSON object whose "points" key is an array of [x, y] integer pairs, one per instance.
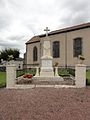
{"points": [[21, 19], [74, 12]]}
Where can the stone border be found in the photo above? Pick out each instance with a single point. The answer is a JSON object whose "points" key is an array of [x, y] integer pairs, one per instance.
{"points": [[80, 78], [41, 86]]}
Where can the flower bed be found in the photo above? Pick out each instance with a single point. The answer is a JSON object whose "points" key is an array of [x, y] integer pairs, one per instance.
{"points": [[28, 75], [25, 79]]}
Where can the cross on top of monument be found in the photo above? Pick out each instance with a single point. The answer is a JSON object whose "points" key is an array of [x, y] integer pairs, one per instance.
{"points": [[46, 31]]}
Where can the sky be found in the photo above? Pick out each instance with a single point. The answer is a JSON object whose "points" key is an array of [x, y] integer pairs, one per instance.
{"points": [[22, 19]]}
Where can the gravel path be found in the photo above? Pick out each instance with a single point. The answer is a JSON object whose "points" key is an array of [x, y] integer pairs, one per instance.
{"points": [[45, 104]]}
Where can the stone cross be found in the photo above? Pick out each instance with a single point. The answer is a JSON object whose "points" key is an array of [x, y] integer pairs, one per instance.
{"points": [[46, 31], [46, 45]]}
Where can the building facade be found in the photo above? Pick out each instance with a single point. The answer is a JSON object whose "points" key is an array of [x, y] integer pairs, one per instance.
{"points": [[66, 45]]}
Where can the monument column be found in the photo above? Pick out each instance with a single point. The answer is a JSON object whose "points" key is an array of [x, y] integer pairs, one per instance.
{"points": [[46, 59]]}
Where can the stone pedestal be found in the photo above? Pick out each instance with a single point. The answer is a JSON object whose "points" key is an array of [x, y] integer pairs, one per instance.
{"points": [[46, 67], [10, 75], [37, 72], [56, 71], [80, 75]]}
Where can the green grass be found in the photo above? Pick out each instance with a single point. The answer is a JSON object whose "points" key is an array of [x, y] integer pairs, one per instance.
{"points": [[88, 77], [2, 79]]}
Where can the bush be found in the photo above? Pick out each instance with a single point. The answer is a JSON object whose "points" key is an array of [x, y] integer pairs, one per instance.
{"points": [[66, 72], [71, 71], [2, 79], [63, 72], [3, 69]]}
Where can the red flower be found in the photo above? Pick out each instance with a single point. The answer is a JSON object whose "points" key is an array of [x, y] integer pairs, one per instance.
{"points": [[28, 75]]}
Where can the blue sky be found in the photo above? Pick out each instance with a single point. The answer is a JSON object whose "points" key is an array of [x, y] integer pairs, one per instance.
{"points": [[22, 19]]}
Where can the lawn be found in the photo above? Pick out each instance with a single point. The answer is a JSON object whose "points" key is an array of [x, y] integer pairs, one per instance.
{"points": [[88, 77], [2, 79]]}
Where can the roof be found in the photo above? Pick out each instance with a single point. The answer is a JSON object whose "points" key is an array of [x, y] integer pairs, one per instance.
{"points": [[68, 29], [34, 39]]}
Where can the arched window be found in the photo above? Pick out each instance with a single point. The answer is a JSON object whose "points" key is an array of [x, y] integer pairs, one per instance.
{"points": [[56, 49], [35, 54], [77, 47]]}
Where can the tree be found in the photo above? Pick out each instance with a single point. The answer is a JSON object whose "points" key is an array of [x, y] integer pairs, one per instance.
{"points": [[7, 52]]}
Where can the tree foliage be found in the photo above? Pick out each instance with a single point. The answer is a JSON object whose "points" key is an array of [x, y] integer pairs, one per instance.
{"points": [[4, 54]]}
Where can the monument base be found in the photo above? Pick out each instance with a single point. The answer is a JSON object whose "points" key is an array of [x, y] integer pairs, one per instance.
{"points": [[50, 78], [47, 73], [46, 67]]}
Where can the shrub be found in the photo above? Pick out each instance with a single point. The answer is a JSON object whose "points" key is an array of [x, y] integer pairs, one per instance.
{"points": [[63, 72], [71, 71]]}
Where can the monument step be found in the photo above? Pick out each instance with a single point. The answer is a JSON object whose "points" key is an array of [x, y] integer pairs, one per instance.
{"points": [[65, 81], [52, 78]]}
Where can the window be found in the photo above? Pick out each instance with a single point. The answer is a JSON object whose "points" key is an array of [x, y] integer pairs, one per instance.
{"points": [[77, 47], [35, 54], [56, 49]]}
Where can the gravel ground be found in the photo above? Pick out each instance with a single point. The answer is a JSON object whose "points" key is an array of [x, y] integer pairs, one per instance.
{"points": [[45, 104]]}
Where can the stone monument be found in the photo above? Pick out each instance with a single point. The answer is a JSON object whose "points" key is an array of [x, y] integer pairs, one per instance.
{"points": [[46, 59]]}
